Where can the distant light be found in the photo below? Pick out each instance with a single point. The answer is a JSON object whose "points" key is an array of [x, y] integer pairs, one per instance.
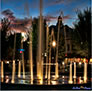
{"points": [[53, 82], [63, 63], [45, 54], [80, 63], [7, 62], [90, 60], [54, 43], [20, 51], [23, 34], [84, 60], [63, 77]]}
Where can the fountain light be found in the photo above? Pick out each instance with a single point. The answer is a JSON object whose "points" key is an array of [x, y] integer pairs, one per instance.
{"points": [[13, 72], [90, 60], [70, 74], [74, 69], [85, 72], [54, 82], [2, 70], [19, 69], [56, 72]]}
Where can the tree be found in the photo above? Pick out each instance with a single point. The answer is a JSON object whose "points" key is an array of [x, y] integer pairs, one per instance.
{"points": [[82, 33], [4, 40]]}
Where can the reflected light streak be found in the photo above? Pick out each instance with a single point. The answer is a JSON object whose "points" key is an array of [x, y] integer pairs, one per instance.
{"points": [[2, 70]]}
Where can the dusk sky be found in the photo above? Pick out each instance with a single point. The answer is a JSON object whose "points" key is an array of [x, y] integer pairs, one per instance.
{"points": [[23, 8]]}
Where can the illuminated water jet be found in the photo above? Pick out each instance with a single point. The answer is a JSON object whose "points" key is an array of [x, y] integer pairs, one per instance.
{"points": [[70, 74], [47, 32], [2, 69], [85, 72], [23, 64], [19, 69], [56, 68], [40, 73], [13, 66], [31, 57], [74, 70], [49, 69], [13, 72]]}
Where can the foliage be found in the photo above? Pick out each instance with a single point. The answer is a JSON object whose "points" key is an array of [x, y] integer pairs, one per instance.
{"points": [[82, 33]]}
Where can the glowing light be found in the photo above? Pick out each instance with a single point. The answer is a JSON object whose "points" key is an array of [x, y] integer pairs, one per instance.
{"points": [[54, 43], [2, 70], [70, 74], [54, 82], [84, 60], [63, 77], [56, 72], [2, 79], [23, 34], [70, 82], [80, 80], [19, 69], [80, 63], [74, 69], [13, 72], [90, 60], [7, 62], [63, 63], [85, 72], [7, 80]]}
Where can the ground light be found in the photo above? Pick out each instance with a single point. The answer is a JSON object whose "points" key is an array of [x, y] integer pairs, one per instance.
{"points": [[2, 69], [85, 71], [70, 74]]}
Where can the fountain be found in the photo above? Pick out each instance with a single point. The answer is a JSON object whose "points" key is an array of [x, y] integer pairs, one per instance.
{"points": [[56, 68], [23, 64], [13, 72], [49, 69], [74, 70], [85, 71], [31, 57], [13, 69], [47, 32], [19, 69], [40, 73], [70, 74], [2, 70]]}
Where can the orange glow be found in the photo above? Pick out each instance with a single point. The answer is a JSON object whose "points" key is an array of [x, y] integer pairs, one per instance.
{"points": [[54, 43], [90, 60]]}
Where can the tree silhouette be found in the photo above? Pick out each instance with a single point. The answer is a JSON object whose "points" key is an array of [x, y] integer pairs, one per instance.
{"points": [[82, 33]]}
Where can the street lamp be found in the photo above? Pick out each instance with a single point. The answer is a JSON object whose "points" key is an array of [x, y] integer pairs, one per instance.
{"points": [[54, 43]]}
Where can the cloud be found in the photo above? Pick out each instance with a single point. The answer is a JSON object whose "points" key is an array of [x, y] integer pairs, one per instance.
{"points": [[17, 25]]}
